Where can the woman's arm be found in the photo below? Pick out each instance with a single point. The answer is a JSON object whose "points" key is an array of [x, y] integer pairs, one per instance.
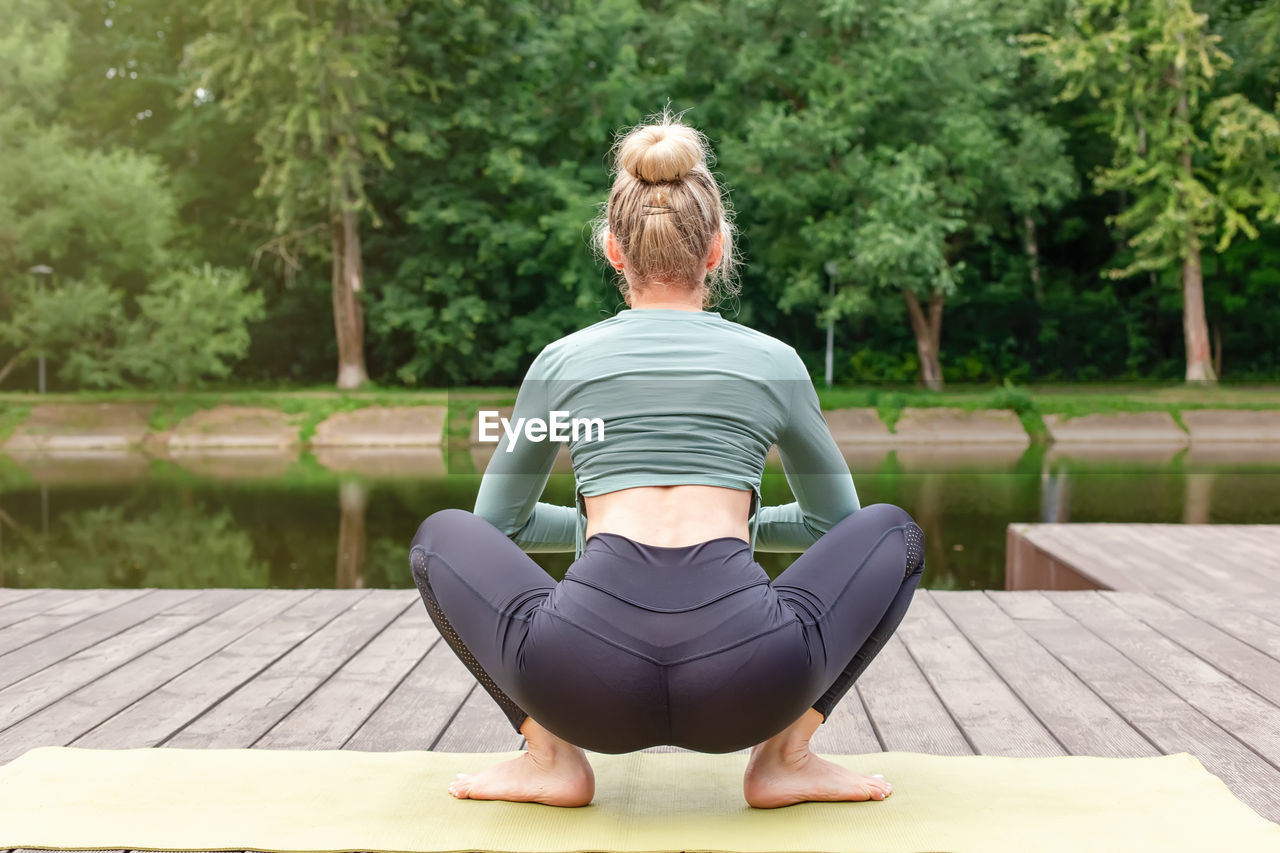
{"points": [[816, 472], [516, 475]]}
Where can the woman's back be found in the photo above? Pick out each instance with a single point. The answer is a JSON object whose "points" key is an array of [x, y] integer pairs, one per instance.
{"points": [[689, 403], [677, 398]]}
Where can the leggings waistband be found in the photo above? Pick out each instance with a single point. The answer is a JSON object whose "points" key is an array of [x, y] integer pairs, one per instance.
{"points": [[666, 579]]}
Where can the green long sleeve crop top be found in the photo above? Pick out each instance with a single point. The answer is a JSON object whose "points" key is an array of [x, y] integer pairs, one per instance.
{"points": [[656, 397]]}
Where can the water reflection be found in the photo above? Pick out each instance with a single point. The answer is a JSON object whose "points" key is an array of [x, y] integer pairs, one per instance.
{"points": [[344, 518], [353, 502]]}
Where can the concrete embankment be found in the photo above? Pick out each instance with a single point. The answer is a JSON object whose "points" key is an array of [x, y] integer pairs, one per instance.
{"points": [[80, 427]]}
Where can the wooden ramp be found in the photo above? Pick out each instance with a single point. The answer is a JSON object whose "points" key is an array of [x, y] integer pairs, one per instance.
{"points": [[1236, 561], [996, 673]]}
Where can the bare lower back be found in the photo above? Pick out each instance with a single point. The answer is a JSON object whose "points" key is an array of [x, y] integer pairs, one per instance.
{"points": [[671, 516]]}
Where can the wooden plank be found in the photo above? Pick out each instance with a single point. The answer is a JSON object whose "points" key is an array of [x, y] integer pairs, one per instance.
{"points": [[1117, 563], [1177, 547], [164, 711], [248, 713], [1153, 709], [80, 711], [1076, 553], [1219, 697], [10, 594], [20, 663], [331, 715], [71, 674], [992, 718], [848, 730], [1180, 559], [1243, 662], [1028, 566], [40, 625], [418, 710], [1235, 553], [904, 710], [1081, 722], [44, 599], [1248, 627], [479, 726]]}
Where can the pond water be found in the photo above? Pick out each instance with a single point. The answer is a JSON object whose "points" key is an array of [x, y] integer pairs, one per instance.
{"points": [[331, 521]]}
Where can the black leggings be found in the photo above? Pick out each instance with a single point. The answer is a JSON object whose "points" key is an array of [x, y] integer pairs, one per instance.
{"points": [[691, 646]]}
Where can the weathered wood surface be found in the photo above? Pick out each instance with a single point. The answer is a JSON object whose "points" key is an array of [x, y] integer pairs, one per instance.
{"points": [[1241, 561], [1180, 637], [1001, 673]]}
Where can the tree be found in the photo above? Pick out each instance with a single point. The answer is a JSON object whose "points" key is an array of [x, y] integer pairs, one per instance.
{"points": [[1195, 166], [105, 221], [88, 213], [314, 78], [877, 167], [504, 165], [190, 325]]}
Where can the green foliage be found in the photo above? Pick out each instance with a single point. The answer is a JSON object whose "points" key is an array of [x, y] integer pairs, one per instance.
{"points": [[873, 171], [88, 213], [867, 146], [191, 327], [76, 324], [1012, 397], [1197, 162], [312, 78]]}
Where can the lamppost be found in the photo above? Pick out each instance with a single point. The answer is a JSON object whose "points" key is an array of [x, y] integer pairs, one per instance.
{"points": [[41, 271]]}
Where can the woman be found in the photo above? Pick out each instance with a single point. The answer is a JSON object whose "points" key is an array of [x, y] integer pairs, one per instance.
{"points": [[665, 630]]}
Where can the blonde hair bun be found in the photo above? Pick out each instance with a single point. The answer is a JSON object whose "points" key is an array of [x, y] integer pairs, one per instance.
{"points": [[666, 210], [661, 152]]}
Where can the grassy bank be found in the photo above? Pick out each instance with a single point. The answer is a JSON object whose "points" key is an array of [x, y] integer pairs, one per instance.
{"points": [[1031, 403]]}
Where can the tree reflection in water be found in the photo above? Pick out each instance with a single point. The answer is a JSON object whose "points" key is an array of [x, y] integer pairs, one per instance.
{"points": [[166, 526], [177, 546], [353, 502]]}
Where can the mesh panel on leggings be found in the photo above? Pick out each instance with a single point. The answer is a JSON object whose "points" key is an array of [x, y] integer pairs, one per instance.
{"points": [[915, 547], [418, 562]]}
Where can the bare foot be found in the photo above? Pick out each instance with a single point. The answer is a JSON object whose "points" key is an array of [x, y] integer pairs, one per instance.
{"points": [[552, 771], [783, 771]]}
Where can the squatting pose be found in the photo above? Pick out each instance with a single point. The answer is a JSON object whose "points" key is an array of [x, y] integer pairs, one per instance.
{"points": [[665, 630]]}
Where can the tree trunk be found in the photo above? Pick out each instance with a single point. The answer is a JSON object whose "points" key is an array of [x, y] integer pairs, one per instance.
{"points": [[928, 332], [1031, 244], [348, 316], [1194, 328], [1217, 350]]}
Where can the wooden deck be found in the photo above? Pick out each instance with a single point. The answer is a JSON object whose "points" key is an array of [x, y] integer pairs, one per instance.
{"points": [[1235, 561], [996, 673]]}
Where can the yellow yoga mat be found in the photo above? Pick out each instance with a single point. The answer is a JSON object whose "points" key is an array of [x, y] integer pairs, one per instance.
{"points": [[295, 800]]}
